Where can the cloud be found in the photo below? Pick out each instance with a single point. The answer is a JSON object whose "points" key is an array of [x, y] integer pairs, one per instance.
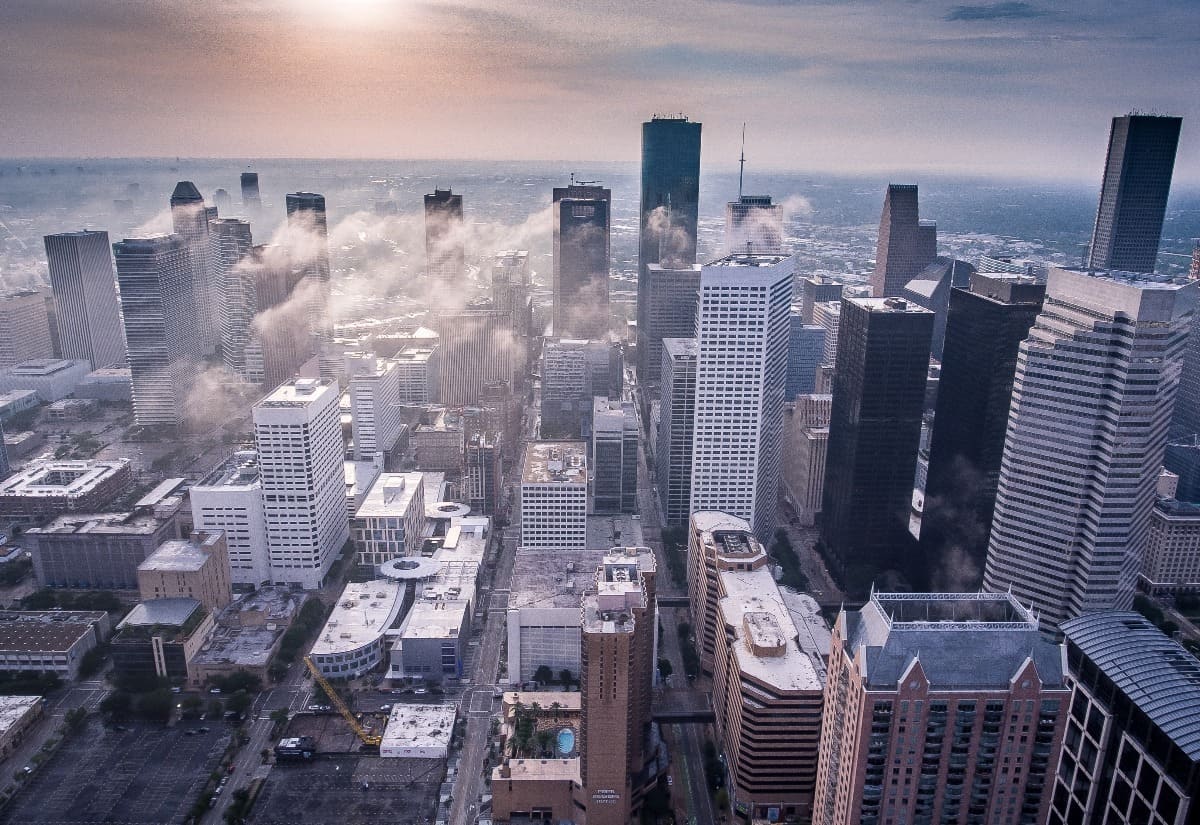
{"points": [[994, 11]]}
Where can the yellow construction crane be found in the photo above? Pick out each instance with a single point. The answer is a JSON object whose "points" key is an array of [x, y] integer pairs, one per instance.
{"points": [[368, 739]]}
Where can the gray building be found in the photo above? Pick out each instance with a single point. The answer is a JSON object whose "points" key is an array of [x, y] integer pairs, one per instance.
{"points": [[817, 289], [581, 260], [906, 244], [573, 373], [614, 456], [1132, 747], [190, 217], [670, 294], [231, 241], [676, 424], [931, 290], [97, 551], [806, 350], [85, 293]]}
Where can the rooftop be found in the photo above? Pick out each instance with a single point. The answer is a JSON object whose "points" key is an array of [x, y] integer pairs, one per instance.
{"points": [[555, 462], [163, 490], [893, 305], [241, 470], [1155, 672], [51, 631], [391, 495], [551, 770], [362, 613], [748, 259], [681, 347], [44, 367], [237, 641], [709, 521], [178, 555], [169, 612], [434, 619], [61, 478], [299, 392], [419, 726], [619, 590], [102, 524], [551, 578], [14, 708]]}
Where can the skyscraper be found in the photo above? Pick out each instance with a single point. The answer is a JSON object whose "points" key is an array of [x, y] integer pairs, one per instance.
{"points": [[581, 260], [805, 448], [269, 332], [374, 403], [741, 377], [190, 218], [984, 328], [754, 224], [308, 243], [676, 426], [874, 432], [1133, 197], [671, 293], [817, 289], [1091, 403], [251, 199], [445, 247], [85, 291], [614, 456], [477, 347], [162, 338], [906, 244], [222, 202], [670, 199], [24, 328], [298, 431], [806, 349], [573, 372], [231, 241], [512, 293]]}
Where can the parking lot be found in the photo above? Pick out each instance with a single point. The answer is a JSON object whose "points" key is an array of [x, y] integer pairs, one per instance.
{"points": [[397, 792], [143, 774]]}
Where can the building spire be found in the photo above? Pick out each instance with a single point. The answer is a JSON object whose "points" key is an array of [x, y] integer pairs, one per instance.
{"points": [[742, 161]]}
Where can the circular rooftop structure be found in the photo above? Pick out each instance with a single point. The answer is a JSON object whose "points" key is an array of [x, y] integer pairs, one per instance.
{"points": [[410, 568], [446, 510]]}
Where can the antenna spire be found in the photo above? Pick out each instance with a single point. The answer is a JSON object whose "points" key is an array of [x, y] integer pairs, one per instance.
{"points": [[742, 161]]}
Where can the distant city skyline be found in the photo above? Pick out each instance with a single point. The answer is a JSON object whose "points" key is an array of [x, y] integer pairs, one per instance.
{"points": [[1009, 89]]}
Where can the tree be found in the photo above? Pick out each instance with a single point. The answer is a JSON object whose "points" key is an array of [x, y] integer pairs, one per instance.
{"points": [[116, 704], [665, 668], [279, 716], [564, 677], [216, 709], [722, 800], [191, 707], [239, 702], [156, 705], [543, 675], [75, 719]]}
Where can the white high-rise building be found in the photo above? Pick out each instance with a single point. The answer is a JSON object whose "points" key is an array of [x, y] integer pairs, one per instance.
{"points": [[1093, 395], [230, 499], [298, 431], [85, 294], [374, 407], [554, 493], [742, 332]]}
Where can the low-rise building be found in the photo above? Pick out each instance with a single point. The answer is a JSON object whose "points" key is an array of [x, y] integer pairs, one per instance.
{"points": [[390, 521], [418, 731], [49, 641], [51, 378], [554, 495], [17, 715], [15, 402], [49, 488], [72, 409], [99, 551], [230, 500], [161, 638], [195, 568], [1171, 555], [245, 635], [109, 384], [22, 444], [439, 445], [353, 639]]}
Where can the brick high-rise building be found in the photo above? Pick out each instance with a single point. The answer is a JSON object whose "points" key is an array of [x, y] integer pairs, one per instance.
{"points": [[945, 708], [906, 244]]}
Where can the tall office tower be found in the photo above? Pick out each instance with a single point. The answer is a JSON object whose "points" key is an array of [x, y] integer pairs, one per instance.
{"points": [[512, 293], [817, 289], [931, 290], [874, 432], [1133, 197], [669, 206], [754, 225], [230, 499], [617, 665], [85, 292], [445, 245], [806, 350], [677, 417], [190, 219], [671, 294], [554, 494], [963, 707], [5, 466], [162, 337], [230, 240], [52, 321], [828, 316], [906, 244], [309, 248], [614, 456], [24, 328], [277, 339], [251, 199], [985, 326], [805, 447], [767, 665], [417, 368], [581, 260], [1194, 271], [1171, 556], [573, 373], [1132, 747], [222, 202], [483, 481], [298, 430], [1095, 383], [374, 408], [741, 378], [477, 349]]}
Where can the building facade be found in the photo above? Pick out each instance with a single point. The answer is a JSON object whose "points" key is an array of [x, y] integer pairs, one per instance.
{"points": [[574, 372], [85, 295], [24, 328], [193, 568], [230, 500], [906, 244], [189, 218], [805, 447], [374, 408], [554, 495], [677, 418], [581, 260], [670, 294], [614, 456], [753, 225], [806, 351], [445, 248], [391, 519]]}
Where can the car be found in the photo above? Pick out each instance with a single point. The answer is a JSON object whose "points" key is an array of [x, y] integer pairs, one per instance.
{"points": [[201, 730], [27, 769], [315, 708], [420, 691], [216, 691], [670, 781], [385, 707], [217, 792]]}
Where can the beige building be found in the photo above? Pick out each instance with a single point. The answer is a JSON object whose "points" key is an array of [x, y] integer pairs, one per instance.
{"points": [[716, 541], [17, 714], [805, 441], [197, 568], [1171, 557]]}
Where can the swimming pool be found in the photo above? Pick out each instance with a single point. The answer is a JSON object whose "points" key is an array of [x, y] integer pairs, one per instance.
{"points": [[566, 741]]}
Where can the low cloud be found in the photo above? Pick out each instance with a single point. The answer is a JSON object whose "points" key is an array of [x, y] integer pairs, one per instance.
{"points": [[994, 11]]}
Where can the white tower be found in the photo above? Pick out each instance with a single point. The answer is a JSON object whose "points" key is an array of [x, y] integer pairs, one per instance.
{"points": [[374, 399]]}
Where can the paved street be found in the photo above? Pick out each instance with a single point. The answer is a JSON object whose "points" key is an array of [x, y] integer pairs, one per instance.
{"points": [[86, 694]]}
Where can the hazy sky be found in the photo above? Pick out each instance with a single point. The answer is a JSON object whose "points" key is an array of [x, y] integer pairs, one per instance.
{"points": [[1003, 88]]}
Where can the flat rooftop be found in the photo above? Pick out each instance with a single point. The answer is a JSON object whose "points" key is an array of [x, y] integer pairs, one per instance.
{"points": [[25, 636], [14, 708], [54, 479], [299, 392], [551, 578], [102, 524], [413, 355], [608, 530], [419, 726], [42, 367], [555, 462], [176, 555], [681, 347], [240, 471], [550, 770], [392, 494], [234, 642], [170, 612], [434, 619], [952, 608], [363, 612], [893, 305], [748, 259]]}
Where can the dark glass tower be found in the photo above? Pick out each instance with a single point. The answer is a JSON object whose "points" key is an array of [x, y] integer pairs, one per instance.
{"points": [[984, 327], [190, 216], [251, 199], [445, 252], [906, 244], [1133, 197], [874, 433], [581, 256], [310, 253], [670, 201]]}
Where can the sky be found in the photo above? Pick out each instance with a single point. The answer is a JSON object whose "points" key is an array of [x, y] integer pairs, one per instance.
{"points": [[1021, 89]]}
